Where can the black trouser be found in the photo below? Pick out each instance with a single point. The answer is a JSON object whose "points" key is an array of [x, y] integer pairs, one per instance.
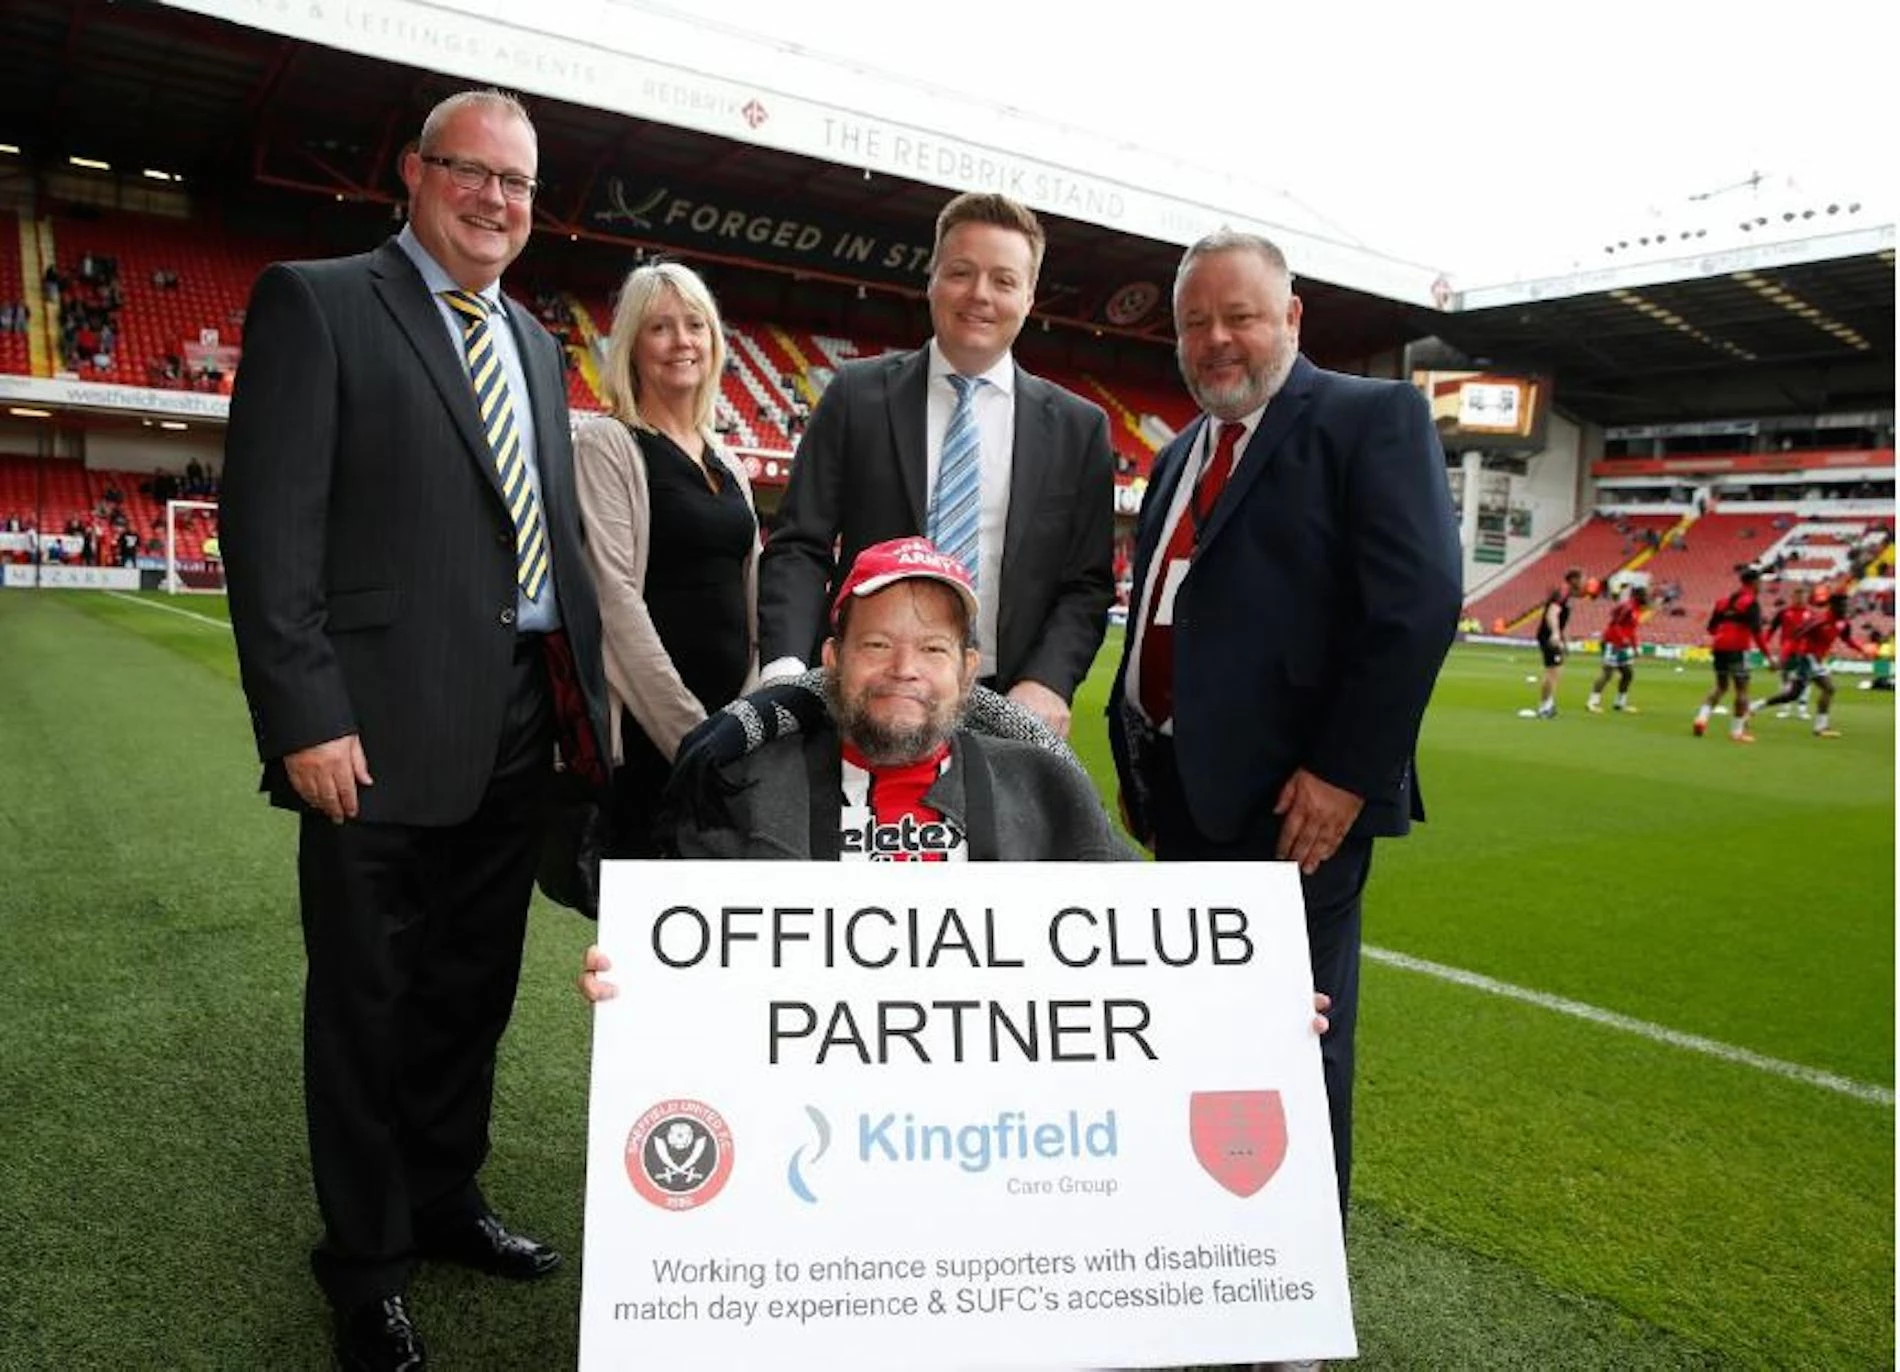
{"points": [[1332, 896], [413, 937], [638, 784]]}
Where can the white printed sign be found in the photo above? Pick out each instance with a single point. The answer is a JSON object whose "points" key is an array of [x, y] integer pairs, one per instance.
{"points": [[985, 1115], [17, 576]]}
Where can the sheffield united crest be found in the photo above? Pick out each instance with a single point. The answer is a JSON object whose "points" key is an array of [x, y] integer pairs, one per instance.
{"points": [[1239, 1137], [679, 1154]]}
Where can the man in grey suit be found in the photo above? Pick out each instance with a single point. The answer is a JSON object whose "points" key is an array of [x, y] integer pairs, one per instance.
{"points": [[417, 633], [1009, 474]]}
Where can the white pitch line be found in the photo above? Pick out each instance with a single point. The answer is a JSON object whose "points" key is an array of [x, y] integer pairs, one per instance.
{"points": [[172, 609], [1695, 1043]]}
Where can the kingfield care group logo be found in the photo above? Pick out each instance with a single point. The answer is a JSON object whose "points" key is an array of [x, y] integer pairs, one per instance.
{"points": [[1238, 1137], [679, 1154], [806, 1155]]}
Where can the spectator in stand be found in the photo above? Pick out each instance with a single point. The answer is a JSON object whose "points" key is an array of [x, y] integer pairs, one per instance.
{"points": [[128, 548], [51, 282], [672, 536], [1000, 469], [1734, 627]]}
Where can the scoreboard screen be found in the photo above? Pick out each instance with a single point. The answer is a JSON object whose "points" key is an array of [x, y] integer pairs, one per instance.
{"points": [[1493, 411]]}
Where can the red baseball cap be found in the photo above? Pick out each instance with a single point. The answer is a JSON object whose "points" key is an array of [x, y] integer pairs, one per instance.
{"points": [[902, 559]]}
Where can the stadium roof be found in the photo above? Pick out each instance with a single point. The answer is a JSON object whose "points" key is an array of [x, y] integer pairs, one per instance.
{"points": [[1770, 329], [143, 85], [1805, 325]]}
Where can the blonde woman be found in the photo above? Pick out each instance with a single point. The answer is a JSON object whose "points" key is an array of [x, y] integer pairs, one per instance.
{"points": [[672, 535]]}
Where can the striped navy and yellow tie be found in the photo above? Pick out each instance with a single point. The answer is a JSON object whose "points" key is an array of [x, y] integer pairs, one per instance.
{"points": [[497, 410]]}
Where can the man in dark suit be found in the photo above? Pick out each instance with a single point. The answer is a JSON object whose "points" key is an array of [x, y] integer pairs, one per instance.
{"points": [[416, 632], [1011, 475], [1296, 587]]}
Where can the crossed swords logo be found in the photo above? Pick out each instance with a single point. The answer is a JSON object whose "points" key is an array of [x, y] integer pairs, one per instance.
{"points": [[669, 1167], [635, 214]]}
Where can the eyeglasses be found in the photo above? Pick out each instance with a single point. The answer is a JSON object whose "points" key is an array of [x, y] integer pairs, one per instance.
{"points": [[472, 176]]}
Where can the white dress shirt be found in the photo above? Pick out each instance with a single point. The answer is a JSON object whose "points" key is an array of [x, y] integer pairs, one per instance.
{"points": [[995, 403], [1177, 511]]}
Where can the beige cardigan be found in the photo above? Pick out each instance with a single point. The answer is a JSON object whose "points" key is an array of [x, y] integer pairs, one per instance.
{"points": [[616, 512]]}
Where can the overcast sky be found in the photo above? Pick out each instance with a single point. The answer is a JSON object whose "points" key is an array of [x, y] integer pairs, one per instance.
{"points": [[1485, 137]]}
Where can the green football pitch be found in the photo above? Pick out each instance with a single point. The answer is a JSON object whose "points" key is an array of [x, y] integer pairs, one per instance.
{"points": [[1626, 1058]]}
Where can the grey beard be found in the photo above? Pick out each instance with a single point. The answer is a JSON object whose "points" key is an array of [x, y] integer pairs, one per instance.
{"points": [[1244, 397], [886, 745]]}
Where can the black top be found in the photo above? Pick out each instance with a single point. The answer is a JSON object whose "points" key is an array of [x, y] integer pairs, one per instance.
{"points": [[698, 544], [1561, 599]]}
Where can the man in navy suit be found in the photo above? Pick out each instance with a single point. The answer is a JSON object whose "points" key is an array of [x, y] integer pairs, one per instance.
{"points": [[871, 468], [416, 630], [1296, 588]]}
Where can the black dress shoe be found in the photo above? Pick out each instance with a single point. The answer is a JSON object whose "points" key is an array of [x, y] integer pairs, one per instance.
{"points": [[487, 1247], [379, 1337]]}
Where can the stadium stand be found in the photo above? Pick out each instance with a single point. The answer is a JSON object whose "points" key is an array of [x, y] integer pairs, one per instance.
{"points": [[45, 494], [1601, 545], [1692, 565], [15, 352], [146, 511], [213, 270], [51, 493]]}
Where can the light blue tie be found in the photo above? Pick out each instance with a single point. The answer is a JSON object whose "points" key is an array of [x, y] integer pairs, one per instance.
{"points": [[954, 511]]}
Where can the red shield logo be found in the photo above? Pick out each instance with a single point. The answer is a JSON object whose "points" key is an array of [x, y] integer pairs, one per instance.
{"points": [[1239, 1136]]}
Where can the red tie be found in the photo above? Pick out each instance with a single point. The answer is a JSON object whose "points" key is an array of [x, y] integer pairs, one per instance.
{"points": [[1157, 640]]}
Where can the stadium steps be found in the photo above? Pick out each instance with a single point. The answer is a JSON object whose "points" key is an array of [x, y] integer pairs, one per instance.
{"points": [[752, 367], [836, 351], [801, 366], [774, 363], [1129, 419], [49, 319], [24, 354], [587, 352], [1645, 555]]}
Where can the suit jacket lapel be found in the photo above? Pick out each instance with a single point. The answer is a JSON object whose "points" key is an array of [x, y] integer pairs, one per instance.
{"points": [[1283, 412], [907, 400], [400, 287], [1163, 478], [1032, 448], [546, 401]]}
